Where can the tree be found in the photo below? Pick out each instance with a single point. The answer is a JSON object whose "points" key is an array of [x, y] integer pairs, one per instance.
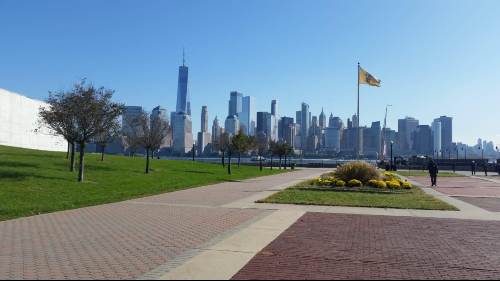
{"points": [[80, 115], [262, 145], [59, 117], [223, 145], [147, 132], [104, 138], [240, 145]]}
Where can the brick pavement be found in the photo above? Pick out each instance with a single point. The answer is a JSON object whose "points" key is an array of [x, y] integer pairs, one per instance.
{"points": [[491, 204], [335, 246], [125, 240]]}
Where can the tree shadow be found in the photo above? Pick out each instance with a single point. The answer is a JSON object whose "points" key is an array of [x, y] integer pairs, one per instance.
{"points": [[13, 175], [197, 172], [17, 164]]}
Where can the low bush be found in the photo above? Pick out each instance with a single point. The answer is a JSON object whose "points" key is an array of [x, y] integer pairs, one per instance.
{"points": [[377, 184], [393, 184], [339, 183], [354, 183], [407, 185], [358, 170]]}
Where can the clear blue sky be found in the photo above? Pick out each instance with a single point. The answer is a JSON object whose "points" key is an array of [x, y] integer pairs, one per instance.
{"points": [[433, 57]]}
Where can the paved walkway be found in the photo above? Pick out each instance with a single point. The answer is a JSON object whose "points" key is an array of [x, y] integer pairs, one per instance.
{"points": [[138, 238], [356, 247], [219, 232]]}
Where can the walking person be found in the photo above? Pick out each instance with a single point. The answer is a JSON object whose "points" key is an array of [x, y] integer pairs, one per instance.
{"points": [[433, 172], [485, 169], [473, 168]]}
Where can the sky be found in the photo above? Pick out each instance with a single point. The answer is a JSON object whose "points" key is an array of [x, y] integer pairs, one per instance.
{"points": [[434, 57]]}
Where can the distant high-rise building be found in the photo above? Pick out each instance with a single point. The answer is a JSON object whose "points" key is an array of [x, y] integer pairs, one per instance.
{"points": [[330, 120], [183, 102], [423, 141], [130, 114], [248, 115], [305, 124], [436, 138], [162, 113], [232, 125], [182, 133], [267, 124], [298, 117], [204, 119], [286, 130], [446, 133], [372, 140], [406, 128], [182, 128], [332, 139], [216, 130], [274, 107], [235, 104], [204, 137], [322, 119]]}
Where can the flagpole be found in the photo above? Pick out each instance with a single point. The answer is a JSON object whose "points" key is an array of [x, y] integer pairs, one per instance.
{"points": [[358, 148]]}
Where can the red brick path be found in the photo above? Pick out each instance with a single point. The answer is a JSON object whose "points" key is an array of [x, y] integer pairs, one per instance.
{"points": [[332, 246]]}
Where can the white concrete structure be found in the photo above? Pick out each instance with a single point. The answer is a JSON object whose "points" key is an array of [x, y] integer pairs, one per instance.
{"points": [[20, 126]]}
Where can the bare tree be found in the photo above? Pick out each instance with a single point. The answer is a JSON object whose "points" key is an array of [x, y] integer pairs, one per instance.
{"points": [[224, 145], [83, 113], [262, 145], [147, 132], [240, 145], [104, 138], [59, 117]]}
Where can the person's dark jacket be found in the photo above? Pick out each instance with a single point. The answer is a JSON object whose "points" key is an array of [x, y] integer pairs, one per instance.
{"points": [[433, 168]]}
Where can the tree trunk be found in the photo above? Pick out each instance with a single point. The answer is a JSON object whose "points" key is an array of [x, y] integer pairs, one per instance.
{"points": [[279, 163], [223, 160], [102, 153], [260, 163], [147, 161], [82, 162], [72, 161], [239, 159], [229, 163], [67, 152], [271, 162]]}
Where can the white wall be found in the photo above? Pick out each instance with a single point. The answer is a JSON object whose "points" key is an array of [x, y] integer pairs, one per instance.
{"points": [[19, 124]]}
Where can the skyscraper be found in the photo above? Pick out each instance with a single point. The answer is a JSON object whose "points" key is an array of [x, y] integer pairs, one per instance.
{"points": [[248, 115], [322, 119], [182, 131], [232, 125], [162, 113], [274, 107], [235, 103], [183, 102], [305, 125], [372, 140], [423, 141], [436, 137], [204, 119], [406, 128], [446, 133], [204, 137], [216, 130]]}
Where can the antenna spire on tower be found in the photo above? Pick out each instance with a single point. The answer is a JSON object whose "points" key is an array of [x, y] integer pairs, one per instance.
{"points": [[183, 57]]}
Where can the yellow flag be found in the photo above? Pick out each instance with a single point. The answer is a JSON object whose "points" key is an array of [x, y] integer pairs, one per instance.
{"points": [[367, 78]]}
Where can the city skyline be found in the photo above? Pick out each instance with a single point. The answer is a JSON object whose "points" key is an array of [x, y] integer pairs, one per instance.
{"points": [[315, 66]]}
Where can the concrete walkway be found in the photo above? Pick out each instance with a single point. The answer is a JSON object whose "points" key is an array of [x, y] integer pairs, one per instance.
{"points": [[148, 237]]}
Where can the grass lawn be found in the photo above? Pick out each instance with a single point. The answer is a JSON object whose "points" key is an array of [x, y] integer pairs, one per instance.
{"points": [[404, 199], [34, 182], [425, 174]]}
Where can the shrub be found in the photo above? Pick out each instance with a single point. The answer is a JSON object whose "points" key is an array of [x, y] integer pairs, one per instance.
{"points": [[407, 185], [354, 183], [339, 183], [358, 170], [377, 184], [393, 184]]}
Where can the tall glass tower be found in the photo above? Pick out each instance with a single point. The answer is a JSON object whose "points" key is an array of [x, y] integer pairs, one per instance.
{"points": [[183, 102]]}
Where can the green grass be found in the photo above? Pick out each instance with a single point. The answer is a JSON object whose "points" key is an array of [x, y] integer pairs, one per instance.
{"points": [[405, 199], [425, 174], [34, 182]]}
